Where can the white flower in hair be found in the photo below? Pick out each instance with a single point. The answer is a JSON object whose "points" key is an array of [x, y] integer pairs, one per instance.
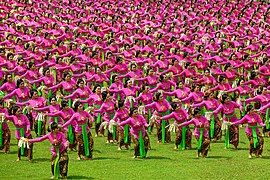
{"points": [[73, 104]]}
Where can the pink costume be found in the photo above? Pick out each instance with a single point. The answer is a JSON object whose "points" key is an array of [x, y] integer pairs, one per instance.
{"points": [[149, 80], [51, 109], [180, 115], [20, 122], [8, 87], [228, 110], [137, 124], [160, 107], [145, 98], [58, 139], [21, 94], [34, 103], [81, 118], [199, 122], [210, 104], [47, 80], [263, 99], [81, 93], [121, 115], [252, 119], [66, 86], [107, 108], [195, 97], [164, 85]]}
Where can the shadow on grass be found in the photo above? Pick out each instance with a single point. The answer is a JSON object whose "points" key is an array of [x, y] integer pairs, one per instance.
{"points": [[265, 157], [218, 157], [241, 149], [213, 157], [104, 158], [11, 152], [158, 157], [41, 160], [98, 151], [79, 177]]}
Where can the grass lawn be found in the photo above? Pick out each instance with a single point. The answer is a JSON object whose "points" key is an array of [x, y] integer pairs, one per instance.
{"points": [[163, 162]]}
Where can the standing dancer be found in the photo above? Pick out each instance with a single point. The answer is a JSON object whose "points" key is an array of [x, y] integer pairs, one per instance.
{"points": [[36, 119], [95, 100], [82, 129], [23, 130], [227, 107], [201, 132], [211, 103], [4, 129], [183, 137], [254, 135], [138, 130], [59, 160], [122, 114], [161, 107], [107, 110], [66, 113]]}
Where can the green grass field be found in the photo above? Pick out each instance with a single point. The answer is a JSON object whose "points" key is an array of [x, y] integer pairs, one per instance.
{"points": [[163, 162]]}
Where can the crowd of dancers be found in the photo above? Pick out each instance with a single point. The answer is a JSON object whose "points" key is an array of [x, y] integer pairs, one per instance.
{"points": [[126, 67]]}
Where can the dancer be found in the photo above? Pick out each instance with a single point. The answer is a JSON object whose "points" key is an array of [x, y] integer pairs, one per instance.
{"points": [[201, 132], [183, 137], [59, 160], [82, 129], [138, 130], [4, 129], [227, 107], [22, 125]]}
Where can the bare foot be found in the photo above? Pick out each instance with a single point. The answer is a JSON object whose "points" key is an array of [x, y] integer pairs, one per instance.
{"points": [[250, 156], [119, 149], [78, 158], [18, 159]]}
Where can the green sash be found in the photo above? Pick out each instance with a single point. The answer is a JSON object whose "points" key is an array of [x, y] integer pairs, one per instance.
{"points": [[126, 132], [200, 142], [141, 144], [98, 118], [163, 130], [149, 114], [85, 140], [183, 141], [70, 135], [255, 136], [56, 164], [70, 103], [227, 133], [118, 97], [2, 94], [203, 111], [34, 86], [50, 94], [163, 127], [21, 135], [55, 119], [212, 127], [39, 127]]}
